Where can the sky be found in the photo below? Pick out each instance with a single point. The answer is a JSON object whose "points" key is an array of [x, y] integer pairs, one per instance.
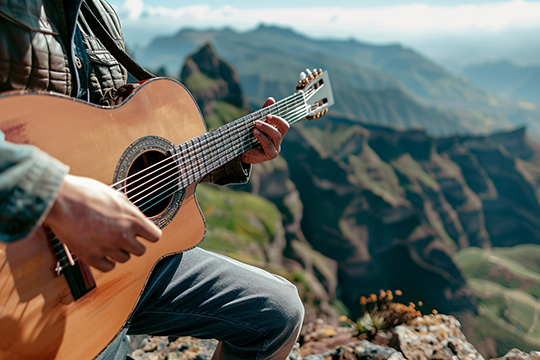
{"points": [[453, 32]]}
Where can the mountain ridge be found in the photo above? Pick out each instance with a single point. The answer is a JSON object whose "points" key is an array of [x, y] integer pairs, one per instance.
{"points": [[365, 207], [269, 59], [507, 80]]}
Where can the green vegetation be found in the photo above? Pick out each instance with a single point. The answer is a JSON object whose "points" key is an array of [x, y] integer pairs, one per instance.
{"points": [[238, 224], [224, 112], [333, 137], [506, 283], [496, 266], [379, 177], [409, 167], [199, 82]]}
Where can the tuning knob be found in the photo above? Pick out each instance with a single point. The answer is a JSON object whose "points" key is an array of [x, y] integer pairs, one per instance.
{"points": [[302, 75], [318, 115]]}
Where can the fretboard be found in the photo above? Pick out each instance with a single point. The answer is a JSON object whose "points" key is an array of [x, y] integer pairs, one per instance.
{"points": [[199, 156]]}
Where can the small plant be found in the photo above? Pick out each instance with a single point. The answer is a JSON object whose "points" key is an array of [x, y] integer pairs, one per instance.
{"points": [[381, 313]]}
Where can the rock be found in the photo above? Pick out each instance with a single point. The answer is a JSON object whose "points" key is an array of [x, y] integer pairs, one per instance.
{"points": [[211, 79], [361, 350], [183, 348], [516, 354], [318, 337], [436, 337], [366, 350]]}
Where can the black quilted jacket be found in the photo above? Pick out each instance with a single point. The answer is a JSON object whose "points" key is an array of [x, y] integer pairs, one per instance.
{"points": [[36, 53]]}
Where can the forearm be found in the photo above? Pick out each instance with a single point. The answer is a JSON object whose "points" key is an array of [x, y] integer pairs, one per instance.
{"points": [[29, 182]]}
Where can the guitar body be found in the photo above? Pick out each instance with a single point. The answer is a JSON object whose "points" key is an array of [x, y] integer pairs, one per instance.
{"points": [[39, 317]]}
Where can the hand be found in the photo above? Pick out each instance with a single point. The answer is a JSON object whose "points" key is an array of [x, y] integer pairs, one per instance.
{"points": [[99, 224], [269, 136]]}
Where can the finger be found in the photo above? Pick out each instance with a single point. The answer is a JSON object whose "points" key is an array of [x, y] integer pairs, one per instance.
{"points": [[145, 228], [119, 255], [102, 264], [269, 101], [268, 147], [272, 132], [133, 246], [281, 124], [253, 156]]}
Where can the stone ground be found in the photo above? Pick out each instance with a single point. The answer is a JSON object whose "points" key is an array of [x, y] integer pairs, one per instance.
{"points": [[431, 337]]}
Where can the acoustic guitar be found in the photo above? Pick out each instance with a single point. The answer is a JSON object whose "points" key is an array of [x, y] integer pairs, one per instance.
{"points": [[154, 147]]}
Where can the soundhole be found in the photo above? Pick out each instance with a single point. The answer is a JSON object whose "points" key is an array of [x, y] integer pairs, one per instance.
{"points": [[152, 181]]}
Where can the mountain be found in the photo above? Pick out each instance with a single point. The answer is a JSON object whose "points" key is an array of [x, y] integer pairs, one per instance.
{"points": [[395, 209], [380, 84], [282, 53], [506, 80], [352, 207]]}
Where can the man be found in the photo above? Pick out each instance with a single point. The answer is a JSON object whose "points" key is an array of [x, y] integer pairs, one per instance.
{"points": [[47, 45]]}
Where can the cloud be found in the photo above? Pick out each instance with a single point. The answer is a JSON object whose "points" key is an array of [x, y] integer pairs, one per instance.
{"points": [[419, 25], [402, 17]]}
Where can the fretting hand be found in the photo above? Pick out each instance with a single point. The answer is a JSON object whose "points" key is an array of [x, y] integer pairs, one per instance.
{"points": [[270, 134]]}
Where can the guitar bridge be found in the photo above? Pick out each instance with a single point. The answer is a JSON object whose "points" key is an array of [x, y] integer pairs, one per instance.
{"points": [[78, 275]]}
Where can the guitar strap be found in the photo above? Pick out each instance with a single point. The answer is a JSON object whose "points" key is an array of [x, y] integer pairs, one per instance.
{"points": [[110, 44]]}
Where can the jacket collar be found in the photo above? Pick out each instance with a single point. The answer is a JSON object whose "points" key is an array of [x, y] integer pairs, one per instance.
{"points": [[32, 15]]}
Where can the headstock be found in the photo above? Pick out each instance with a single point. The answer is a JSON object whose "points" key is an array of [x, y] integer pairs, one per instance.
{"points": [[317, 92]]}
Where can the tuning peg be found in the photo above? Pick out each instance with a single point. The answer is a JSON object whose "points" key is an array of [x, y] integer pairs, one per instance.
{"points": [[316, 116], [302, 75], [308, 72]]}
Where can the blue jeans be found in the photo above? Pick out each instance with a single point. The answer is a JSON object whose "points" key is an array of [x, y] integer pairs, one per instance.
{"points": [[254, 314]]}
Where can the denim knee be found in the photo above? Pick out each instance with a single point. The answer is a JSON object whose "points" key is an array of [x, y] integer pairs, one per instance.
{"points": [[284, 321]]}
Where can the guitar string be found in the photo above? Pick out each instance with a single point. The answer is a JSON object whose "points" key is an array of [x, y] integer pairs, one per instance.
{"points": [[189, 171], [62, 256], [239, 146], [193, 149], [244, 121], [212, 135], [237, 123], [166, 194], [207, 150], [212, 138]]}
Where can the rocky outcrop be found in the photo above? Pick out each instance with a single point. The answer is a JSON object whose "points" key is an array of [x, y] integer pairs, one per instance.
{"points": [[516, 354], [432, 337], [435, 337], [211, 80]]}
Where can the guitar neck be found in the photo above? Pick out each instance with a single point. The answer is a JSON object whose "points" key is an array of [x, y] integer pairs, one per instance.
{"points": [[199, 156]]}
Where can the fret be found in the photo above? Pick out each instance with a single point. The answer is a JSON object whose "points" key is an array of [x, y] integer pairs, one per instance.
{"points": [[207, 152]]}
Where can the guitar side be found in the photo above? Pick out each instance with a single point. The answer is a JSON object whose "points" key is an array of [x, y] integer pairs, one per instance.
{"points": [[38, 316]]}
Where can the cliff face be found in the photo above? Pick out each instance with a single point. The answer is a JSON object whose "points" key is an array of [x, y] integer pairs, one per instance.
{"points": [[366, 207], [273, 241], [216, 85], [387, 201], [371, 204]]}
